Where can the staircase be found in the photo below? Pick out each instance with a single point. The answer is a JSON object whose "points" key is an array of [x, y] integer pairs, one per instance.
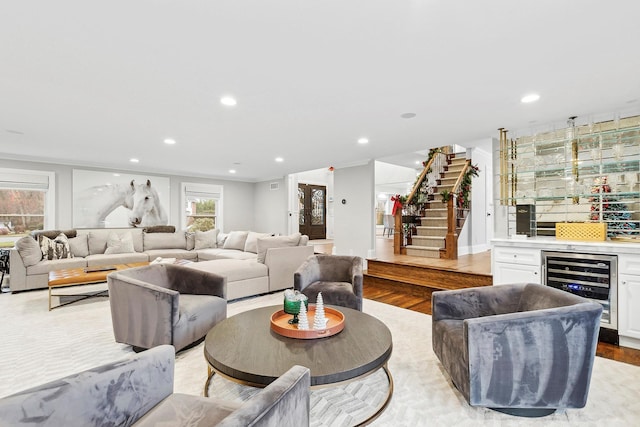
{"points": [[432, 231]]}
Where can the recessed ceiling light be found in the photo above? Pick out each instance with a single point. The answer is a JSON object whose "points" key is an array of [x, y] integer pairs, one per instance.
{"points": [[418, 162], [134, 160], [116, 174], [232, 171], [169, 141], [408, 115], [279, 159], [229, 101], [363, 141], [532, 97]]}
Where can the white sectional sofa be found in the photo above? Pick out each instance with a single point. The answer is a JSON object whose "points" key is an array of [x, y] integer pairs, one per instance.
{"points": [[253, 263]]}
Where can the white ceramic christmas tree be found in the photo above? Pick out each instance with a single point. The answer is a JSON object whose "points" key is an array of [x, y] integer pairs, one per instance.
{"points": [[319, 321], [303, 320]]}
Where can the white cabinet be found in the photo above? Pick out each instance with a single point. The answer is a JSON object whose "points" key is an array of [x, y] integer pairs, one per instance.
{"points": [[628, 302], [516, 265]]}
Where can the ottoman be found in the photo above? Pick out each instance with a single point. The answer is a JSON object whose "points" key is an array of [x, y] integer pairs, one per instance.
{"points": [[244, 277]]}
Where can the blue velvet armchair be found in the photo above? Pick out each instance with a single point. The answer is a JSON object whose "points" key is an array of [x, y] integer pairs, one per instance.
{"points": [[524, 349], [139, 391]]}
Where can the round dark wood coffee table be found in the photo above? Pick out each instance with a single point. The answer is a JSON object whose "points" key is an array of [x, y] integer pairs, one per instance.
{"points": [[243, 348]]}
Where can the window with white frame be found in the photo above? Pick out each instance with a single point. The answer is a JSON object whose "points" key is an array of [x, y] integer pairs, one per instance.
{"points": [[27, 201], [202, 206]]}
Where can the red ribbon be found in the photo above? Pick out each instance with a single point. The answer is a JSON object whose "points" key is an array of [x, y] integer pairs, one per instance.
{"points": [[397, 204]]}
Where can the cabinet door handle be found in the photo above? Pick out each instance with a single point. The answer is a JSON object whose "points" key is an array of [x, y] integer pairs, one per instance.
{"points": [[535, 273]]}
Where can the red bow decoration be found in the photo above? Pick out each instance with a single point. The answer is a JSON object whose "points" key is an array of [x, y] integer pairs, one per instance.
{"points": [[397, 204]]}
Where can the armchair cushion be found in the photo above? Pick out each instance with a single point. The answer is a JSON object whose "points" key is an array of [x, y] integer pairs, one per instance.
{"points": [[339, 278], [165, 304]]}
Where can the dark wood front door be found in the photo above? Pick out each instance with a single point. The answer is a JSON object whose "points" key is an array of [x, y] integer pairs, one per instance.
{"points": [[312, 201]]}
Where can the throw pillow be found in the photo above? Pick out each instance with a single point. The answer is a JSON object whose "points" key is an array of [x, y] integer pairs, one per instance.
{"points": [[251, 244], [236, 240], [206, 239], [119, 243], [222, 237], [29, 250], [276, 242], [79, 246], [191, 240], [55, 249]]}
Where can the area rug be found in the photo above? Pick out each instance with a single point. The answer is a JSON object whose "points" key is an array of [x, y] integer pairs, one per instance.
{"points": [[39, 346]]}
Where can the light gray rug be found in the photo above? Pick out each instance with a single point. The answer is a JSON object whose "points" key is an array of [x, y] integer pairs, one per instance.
{"points": [[39, 346]]}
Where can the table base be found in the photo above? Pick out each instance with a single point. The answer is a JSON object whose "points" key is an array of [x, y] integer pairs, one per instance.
{"points": [[242, 390]]}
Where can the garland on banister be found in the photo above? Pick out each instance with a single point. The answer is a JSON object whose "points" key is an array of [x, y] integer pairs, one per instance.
{"points": [[421, 183], [463, 195]]}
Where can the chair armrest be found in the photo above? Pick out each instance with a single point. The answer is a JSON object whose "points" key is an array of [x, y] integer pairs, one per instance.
{"points": [[357, 278], [141, 313], [475, 302], [306, 274], [556, 346], [284, 402], [187, 280], [117, 393]]}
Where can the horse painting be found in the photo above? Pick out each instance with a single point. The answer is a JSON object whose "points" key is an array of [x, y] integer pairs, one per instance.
{"points": [[147, 209], [115, 205]]}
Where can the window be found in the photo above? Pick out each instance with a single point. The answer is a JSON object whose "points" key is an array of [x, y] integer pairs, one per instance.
{"points": [[202, 205], [27, 200]]}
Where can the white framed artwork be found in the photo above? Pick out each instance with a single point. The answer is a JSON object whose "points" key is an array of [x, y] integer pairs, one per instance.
{"points": [[111, 199]]}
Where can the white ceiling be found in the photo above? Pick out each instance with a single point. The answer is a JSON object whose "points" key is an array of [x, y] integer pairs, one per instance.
{"points": [[95, 83]]}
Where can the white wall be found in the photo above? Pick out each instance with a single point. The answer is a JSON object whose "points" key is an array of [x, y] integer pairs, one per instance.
{"points": [[475, 234], [270, 213], [354, 220], [238, 204]]}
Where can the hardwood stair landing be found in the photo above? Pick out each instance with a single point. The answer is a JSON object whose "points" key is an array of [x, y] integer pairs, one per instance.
{"points": [[405, 281]]}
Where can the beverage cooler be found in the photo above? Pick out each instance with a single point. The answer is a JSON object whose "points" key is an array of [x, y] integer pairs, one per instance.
{"points": [[592, 276]]}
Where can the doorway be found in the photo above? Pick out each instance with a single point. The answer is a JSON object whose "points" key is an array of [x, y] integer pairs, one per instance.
{"points": [[312, 204]]}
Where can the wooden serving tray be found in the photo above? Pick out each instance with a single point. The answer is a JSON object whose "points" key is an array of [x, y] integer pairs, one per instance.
{"points": [[280, 324]]}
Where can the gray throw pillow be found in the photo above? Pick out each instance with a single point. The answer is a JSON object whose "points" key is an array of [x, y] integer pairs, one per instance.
{"points": [[276, 242], [79, 246], [191, 240], [29, 251], [236, 240], [206, 239], [119, 243]]}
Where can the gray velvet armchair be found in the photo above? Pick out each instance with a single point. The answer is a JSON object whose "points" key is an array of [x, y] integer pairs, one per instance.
{"points": [[165, 304], [139, 391], [524, 349], [339, 278]]}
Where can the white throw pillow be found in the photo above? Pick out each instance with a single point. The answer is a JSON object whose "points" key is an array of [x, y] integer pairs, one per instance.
{"points": [[206, 239], [251, 244], [276, 242], [119, 243], [236, 240]]}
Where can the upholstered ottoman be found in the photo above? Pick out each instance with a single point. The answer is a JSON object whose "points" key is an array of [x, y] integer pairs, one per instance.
{"points": [[244, 277]]}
